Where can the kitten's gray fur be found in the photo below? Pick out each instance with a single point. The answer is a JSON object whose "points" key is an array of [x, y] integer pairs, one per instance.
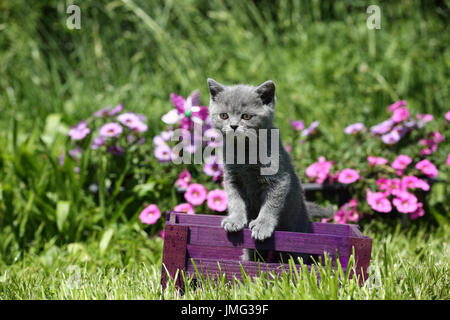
{"points": [[264, 203]]}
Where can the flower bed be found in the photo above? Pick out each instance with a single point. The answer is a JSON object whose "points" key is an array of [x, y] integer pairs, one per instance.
{"points": [[390, 171]]}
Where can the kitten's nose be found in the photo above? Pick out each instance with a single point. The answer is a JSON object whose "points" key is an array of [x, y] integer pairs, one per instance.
{"points": [[233, 127]]}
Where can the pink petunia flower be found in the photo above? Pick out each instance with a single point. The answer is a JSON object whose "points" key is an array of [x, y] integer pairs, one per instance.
{"points": [[378, 201], [373, 161], [419, 212], [383, 184], [184, 207], [405, 202], [348, 176], [448, 159], [409, 182], [447, 115], [184, 178], [401, 162], [80, 131], [319, 170], [150, 214], [347, 212], [111, 130], [195, 194], [424, 117], [428, 168], [217, 200], [397, 105], [400, 114]]}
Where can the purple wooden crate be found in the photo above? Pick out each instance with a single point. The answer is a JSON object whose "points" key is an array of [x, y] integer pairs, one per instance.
{"points": [[200, 239]]}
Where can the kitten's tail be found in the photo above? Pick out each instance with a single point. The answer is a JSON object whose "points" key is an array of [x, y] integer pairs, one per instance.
{"points": [[316, 211]]}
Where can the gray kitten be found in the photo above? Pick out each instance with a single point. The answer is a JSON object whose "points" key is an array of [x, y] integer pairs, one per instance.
{"points": [[264, 203]]}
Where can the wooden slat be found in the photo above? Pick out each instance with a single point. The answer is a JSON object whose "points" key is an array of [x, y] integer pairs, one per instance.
{"points": [[280, 241], [363, 249], [215, 220], [211, 252], [174, 253]]}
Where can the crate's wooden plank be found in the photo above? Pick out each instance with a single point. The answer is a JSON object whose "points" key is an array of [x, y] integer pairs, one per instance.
{"points": [[174, 253], [280, 241], [355, 232], [362, 248], [331, 229], [212, 252], [215, 220]]}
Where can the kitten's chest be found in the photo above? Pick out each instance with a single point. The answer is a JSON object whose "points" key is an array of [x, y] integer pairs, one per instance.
{"points": [[252, 183]]}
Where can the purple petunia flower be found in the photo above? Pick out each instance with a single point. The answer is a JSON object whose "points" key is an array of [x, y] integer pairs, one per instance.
{"points": [[111, 130], [297, 125], [391, 138], [117, 109], [116, 150], [382, 127], [102, 112], [80, 131], [212, 168], [75, 153], [163, 153], [214, 138], [311, 129], [354, 128], [98, 142]]}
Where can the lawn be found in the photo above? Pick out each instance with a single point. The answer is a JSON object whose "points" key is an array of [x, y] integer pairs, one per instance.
{"points": [[406, 264], [70, 227]]}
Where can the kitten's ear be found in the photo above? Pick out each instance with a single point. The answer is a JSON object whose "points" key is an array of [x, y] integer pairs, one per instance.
{"points": [[266, 91], [215, 88]]}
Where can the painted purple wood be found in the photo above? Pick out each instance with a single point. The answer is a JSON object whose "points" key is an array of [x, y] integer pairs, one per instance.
{"points": [[215, 220], [362, 248], [174, 254], [200, 237], [212, 252], [280, 241]]}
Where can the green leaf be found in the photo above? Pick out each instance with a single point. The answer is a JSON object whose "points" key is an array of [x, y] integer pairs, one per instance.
{"points": [[62, 212], [53, 127], [106, 239]]}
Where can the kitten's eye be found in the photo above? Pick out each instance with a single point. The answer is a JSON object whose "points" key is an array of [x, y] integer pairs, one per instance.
{"points": [[223, 116], [246, 116]]}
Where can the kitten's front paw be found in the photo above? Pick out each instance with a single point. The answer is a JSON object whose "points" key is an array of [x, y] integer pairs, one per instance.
{"points": [[232, 224], [261, 229]]}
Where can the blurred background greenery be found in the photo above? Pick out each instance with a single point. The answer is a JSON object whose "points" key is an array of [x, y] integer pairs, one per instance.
{"points": [[327, 65]]}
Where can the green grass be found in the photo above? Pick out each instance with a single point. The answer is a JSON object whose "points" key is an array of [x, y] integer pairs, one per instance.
{"points": [[405, 264]]}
